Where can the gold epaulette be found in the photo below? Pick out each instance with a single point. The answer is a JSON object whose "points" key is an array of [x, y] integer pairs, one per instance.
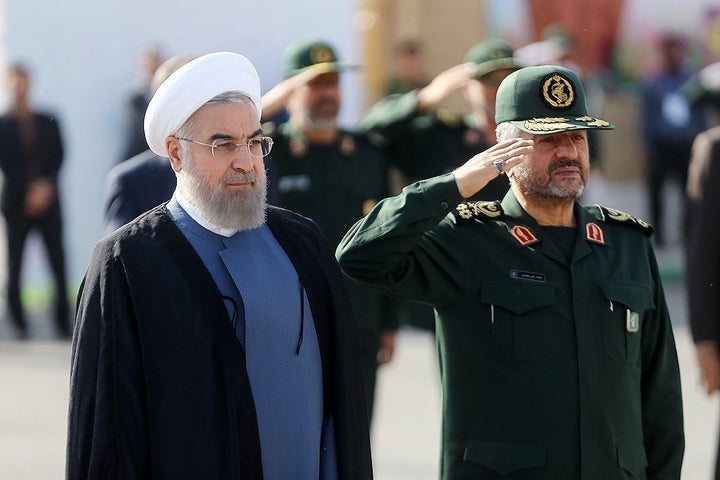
{"points": [[616, 216], [467, 211]]}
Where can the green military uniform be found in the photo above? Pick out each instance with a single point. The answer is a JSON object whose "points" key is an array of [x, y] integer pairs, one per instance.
{"points": [[556, 348], [335, 184], [423, 145], [553, 366], [427, 144]]}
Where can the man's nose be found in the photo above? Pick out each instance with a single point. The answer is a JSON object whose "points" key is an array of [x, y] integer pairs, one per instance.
{"points": [[242, 160]]}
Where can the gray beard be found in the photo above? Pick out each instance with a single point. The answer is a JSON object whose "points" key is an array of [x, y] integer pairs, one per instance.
{"points": [[240, 209], [531, 187]]}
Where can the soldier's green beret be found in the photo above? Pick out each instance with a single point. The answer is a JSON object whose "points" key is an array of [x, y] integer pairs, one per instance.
{"points": [[545, 99], [491, 55], [312, 53]]}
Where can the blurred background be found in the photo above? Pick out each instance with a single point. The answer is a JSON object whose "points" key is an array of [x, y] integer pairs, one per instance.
{"points": [[85, 58], [85, 61]]}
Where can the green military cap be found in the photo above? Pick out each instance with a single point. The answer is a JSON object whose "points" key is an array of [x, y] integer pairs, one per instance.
{"points": [[544, 99], [312, 53], [491, 55]]}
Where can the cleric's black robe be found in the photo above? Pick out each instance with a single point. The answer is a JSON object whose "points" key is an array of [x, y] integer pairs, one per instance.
{"points": [[159, 387]]}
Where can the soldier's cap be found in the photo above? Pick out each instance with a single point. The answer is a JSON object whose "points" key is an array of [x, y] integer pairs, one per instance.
{"points": [[491, 55], [316, 54], [545, 99], [704, 86]]}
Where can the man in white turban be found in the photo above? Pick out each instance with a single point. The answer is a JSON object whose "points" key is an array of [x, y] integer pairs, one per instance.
{"points": [[212, 338]]}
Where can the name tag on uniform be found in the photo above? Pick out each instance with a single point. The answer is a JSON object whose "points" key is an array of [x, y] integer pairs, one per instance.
{"points": [[294, 183], [632, 321], [524, 275]]}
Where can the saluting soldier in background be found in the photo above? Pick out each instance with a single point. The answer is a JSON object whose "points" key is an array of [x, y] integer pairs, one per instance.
{"points": [[557, 352], [425, 139], [331, 175]]}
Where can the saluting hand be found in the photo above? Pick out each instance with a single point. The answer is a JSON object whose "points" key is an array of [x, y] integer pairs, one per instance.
{"points": [[441, 87], [473, 175]]}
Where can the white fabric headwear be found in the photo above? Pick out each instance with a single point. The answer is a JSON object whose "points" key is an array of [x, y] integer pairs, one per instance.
{"points": [[193, 85]]}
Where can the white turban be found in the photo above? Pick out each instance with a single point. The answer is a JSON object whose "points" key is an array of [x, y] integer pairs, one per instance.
{"points": [[193, 85]]}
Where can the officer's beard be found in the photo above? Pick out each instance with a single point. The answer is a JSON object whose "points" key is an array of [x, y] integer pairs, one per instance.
{"points": [[225, 207], [535, 183]]}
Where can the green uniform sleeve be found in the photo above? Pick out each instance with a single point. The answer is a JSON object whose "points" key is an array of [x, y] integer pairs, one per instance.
{"points": [[391, 111], [391, 249]]}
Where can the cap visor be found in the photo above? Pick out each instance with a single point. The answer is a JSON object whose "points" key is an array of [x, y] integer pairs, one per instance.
{"points": [[328, 67], [546, 126]]}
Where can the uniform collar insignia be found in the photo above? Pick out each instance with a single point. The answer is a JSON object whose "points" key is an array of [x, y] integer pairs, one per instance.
{"points": [[523, 235], [594, 233]]}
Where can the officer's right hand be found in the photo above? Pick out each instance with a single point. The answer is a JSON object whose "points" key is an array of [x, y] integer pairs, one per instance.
{"points": [[473, 175], [441, 87]]}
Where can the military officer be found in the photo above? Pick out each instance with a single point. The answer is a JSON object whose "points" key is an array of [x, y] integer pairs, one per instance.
{"points": [[557, 353], [331, 175], [427, 139]]}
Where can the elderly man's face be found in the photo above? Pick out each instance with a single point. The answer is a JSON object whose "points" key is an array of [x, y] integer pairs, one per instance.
{"points": [[228, 192], [558, 167]]}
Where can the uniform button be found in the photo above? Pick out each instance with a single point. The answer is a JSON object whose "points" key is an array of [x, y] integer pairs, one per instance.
{"points": [[444, 205]]}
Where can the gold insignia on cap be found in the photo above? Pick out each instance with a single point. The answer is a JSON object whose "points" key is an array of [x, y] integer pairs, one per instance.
{"points": [[494, 55], [321, 54], [558, 91]]}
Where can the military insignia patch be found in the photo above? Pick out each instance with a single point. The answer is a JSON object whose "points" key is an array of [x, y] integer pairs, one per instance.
{"points": [[557, 91], [523, 235], [467, 211], [594, 233]]}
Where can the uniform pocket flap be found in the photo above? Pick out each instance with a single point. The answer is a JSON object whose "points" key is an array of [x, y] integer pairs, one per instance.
{"points": [[504, 457], [632, 458], [636, 296], [516, 296]]}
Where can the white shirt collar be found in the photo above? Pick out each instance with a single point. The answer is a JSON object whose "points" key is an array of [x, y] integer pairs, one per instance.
{"points": [[195, 215]]}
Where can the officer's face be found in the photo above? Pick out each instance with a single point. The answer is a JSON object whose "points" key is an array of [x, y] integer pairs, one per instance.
{"points": [[558, 167], [320, 99]]}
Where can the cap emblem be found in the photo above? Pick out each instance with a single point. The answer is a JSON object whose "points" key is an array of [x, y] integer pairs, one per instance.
{"points": [[497, 54], [321, 54], [558, 91]]}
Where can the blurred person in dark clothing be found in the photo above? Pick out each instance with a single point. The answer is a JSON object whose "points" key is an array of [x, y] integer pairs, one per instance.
{"points": [[149, 60], [408, 69], [31, 154], [669, 125], [331, 174]]}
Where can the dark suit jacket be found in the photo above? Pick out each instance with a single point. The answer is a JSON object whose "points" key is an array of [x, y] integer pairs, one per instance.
{"points": [[135, 186], [159, 387], [703, 232], [19, 167]]}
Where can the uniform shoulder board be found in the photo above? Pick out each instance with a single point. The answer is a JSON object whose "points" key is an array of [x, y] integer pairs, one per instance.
{"points": [[467, 211], [616, 216]]}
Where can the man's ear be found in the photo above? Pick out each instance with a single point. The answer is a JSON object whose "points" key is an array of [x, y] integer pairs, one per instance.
{"points": [[172, 145]]}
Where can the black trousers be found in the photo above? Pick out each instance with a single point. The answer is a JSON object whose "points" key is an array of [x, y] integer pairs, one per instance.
{"points": [[49, 225], [668, 160]]}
